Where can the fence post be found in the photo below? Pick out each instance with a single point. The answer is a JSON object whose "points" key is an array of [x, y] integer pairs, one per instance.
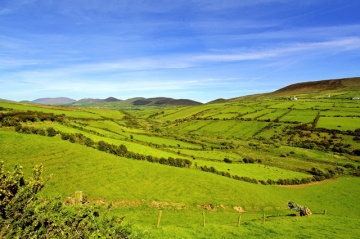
{"points": [[203, 213], [264, 217], [78, 197], [159, 219], [325, 212], [239, 220]]}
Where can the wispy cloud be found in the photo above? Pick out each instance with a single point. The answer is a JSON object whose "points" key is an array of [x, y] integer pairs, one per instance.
{"points": [[186, 60], [317, 47], [5, 11]]}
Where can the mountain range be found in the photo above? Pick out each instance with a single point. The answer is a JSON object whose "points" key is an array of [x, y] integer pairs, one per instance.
{"points": [[340, 88], [138, 101]]}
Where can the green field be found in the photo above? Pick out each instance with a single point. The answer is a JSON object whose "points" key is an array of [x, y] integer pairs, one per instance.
{"points": [[273, 115], [340, 123], [303, 116], [205, 135]]}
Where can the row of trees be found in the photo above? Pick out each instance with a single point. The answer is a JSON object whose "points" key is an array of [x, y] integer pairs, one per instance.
{"points": [[318, 175], [244, 160], [14, 118], [307, 127]]}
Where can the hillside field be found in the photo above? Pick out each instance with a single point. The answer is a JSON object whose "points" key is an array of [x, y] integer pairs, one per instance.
{"points": [[196, 163]]}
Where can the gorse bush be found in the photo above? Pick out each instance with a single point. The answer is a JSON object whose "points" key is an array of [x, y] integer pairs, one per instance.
{"points": [[24, 215]]}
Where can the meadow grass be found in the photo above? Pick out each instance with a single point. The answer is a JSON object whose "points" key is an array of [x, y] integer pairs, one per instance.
{"points": [[258, 113], [339, 123], [304, 116], [106, 113], [283, 105], [105, 124], [222, 116], [217, 155], [110, 178], [99, 174], [139, 189], [183, 112], [111, 138], [273, 115], [245, 129], [341, 113], [215, 127], [191, 126]]}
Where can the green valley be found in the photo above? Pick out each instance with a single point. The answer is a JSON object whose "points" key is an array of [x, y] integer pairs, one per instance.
{"points": [[224, 170]]}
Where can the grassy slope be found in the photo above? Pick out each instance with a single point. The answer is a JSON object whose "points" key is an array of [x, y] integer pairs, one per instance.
{"points": [[112, 178], [337, 88], [136, 183]]}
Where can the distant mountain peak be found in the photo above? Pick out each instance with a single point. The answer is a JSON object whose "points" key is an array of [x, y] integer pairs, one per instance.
{"points": [[89, 100], [111, 99], [54, 101]]}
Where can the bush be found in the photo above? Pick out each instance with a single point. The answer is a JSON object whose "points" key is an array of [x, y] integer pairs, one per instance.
{"points": [[356, 152], [51, 132], [24, 215]]}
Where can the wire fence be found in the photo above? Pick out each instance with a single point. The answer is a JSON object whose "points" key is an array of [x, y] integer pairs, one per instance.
{"points": [[235, 219]]}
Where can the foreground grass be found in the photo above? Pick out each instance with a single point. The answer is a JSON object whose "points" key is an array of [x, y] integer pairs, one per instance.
{"points": [[277, 227], [140, 189]]}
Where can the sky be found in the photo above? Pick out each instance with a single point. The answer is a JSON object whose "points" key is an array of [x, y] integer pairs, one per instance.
{"points": [[184, 49]]}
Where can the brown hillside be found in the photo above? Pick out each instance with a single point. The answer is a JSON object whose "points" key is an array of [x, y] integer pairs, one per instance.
{"points": [[350, 84]]}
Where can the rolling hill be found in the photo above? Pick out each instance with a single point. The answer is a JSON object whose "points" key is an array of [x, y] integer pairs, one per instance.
{"points": [[253, 155], [327, 86], [134, 102], [340, 88], [114, 102]]}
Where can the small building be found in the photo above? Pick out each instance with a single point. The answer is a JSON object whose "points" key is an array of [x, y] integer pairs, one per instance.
{"points": [[356, 98], [293, 97]]}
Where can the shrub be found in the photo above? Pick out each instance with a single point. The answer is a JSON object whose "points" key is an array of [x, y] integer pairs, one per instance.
{"points": [[51, 132], [356, 152], [24, 215]]}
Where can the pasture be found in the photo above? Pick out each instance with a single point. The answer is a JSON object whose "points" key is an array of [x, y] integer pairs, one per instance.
{"points": [[206, 135], [339, 123]]}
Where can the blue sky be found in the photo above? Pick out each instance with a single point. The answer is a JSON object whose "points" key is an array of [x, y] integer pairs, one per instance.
{"points": [[194, 49]]}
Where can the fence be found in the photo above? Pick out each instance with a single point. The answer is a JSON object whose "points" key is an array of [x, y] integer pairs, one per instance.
{"points": [[237, 219]]}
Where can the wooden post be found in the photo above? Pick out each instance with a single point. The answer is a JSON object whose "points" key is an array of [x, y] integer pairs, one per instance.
{"points": [[203, 213], [159, 219], [264, 217], [239, 220], [78, 197], [324, 211]]}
